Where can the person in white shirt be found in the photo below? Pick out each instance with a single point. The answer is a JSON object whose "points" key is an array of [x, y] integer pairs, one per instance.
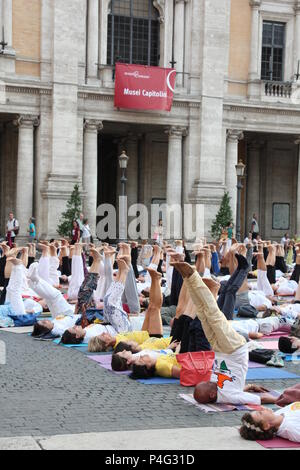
{"points": [[264, 425], [55, 327], [86, 232], [12, 227], [227, 384]]}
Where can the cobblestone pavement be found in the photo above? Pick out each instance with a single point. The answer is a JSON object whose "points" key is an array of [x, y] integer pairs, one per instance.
{"points": [[50, 390]]}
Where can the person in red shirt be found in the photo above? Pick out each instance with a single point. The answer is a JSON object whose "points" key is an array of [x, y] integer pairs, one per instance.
{"points": [[75, 233]]}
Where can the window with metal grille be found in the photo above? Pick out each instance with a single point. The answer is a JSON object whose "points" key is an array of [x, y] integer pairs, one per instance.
{"points": [[273, 51], [133, 32]]}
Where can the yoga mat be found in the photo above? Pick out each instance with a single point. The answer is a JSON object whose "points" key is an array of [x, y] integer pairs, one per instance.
{"points": [[159, 381], [275, 335], [270, 344], [270, 374], [81, 345], [290, 358], [256, 365], [279, 443], [218, 407], [105, 362]]}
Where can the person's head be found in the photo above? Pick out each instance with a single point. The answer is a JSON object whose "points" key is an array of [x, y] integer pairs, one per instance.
{"points": [[42, 328], [75, 224], [259, 425], [101, 343], [254, 216], [11, 216], [160, 222], [85, 221], [124, 347], [142, 372], [118, 363], [250, 235], [206, 392], [73, 335], [287, 345]]}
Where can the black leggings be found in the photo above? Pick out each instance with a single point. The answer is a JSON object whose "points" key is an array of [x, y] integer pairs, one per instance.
{"points": [[2, 269], [271, 274], [296, 274], [3, 293], [227, 297], [31, 260], [280, 264], [66, 266]]}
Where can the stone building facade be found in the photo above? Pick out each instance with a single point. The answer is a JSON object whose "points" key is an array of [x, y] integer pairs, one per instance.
{"points": [[236, 98]]}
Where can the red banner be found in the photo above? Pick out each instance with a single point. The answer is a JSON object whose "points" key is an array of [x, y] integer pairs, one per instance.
{"points": [[142, 87]]}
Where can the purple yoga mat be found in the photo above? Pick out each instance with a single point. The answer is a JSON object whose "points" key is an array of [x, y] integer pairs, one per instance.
{"points": [[255, 365], [279, 443], [276, 335], [105, 362]]}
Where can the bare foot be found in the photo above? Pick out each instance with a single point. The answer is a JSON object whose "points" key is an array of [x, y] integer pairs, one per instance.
{"points": [[185, 269]]}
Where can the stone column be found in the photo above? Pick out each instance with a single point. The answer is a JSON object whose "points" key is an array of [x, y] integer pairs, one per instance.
{"points": [[132, 169], [174, 178], [297, 142], [7, 22], [297, 36], [93, 39], [254, 89], [253, 72], [233, 138], [90, 170], [253, 180], [179, 39], [25, 171]]}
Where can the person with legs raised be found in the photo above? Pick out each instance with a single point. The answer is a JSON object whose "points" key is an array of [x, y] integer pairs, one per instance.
{"points": [[231, 362]]}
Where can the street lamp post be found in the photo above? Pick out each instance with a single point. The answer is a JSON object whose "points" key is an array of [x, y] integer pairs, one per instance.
{"points": [[123, 162], [240, 172]]}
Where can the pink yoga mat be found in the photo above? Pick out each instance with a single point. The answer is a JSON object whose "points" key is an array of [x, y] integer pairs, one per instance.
{"points": [[279, 443], [105, 362], [270, 344], [276, 335]]}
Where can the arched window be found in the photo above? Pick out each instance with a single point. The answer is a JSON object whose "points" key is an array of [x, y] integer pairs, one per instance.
{"points": [[133, 32]]}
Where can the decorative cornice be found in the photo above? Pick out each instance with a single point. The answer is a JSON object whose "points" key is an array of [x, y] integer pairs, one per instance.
{"points": [[264, 110]]}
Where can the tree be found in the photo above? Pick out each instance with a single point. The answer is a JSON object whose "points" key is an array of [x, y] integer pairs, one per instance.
{"points": [[74, 207], [223, 217]]}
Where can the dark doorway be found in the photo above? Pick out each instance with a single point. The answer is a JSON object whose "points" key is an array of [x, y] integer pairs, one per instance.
{"points": [[107, 170]]}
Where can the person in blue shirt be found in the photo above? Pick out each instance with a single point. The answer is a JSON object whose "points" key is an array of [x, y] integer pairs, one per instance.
{"points": [[32, 230]]}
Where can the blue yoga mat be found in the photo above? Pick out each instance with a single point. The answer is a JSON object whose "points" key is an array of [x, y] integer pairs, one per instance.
{"points": [[159, 381], [81, 345], [270, 374], [290, 358]]}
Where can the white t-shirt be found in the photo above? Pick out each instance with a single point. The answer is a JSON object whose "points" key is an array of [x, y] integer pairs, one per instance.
{"points": [[244, 327], [63, 323], [257, 299], [154, 354], [11, 224], [290, 311], [86, 232], [96, 330], [290, 427], [230, 371], [32, 306]]}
